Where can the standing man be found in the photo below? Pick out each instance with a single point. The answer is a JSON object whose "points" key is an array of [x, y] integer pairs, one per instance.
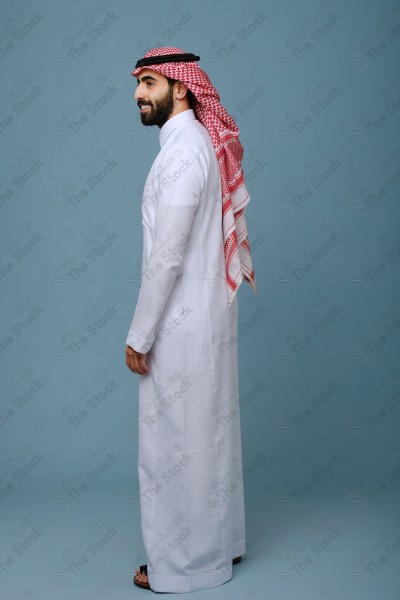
{"points": [[183, 336]]}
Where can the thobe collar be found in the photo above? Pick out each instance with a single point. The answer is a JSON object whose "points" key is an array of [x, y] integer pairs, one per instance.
{"points": [[174, 122]]}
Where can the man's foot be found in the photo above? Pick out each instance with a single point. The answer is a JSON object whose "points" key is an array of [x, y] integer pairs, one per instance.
{"points": [[141, 579]]}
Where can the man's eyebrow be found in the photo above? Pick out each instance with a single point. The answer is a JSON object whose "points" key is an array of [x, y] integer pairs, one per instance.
{"points": [[146, 78]]}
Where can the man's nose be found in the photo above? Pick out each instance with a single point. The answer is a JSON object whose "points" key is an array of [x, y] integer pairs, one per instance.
{"points": [[138, 92]]}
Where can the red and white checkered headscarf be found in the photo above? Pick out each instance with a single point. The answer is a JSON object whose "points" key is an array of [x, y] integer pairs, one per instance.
{"points": [[224, 134]]}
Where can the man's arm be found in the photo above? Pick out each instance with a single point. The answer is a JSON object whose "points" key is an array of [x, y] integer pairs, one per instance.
{"points": [[180, 182]]}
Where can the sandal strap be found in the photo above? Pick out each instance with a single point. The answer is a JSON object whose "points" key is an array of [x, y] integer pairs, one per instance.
{"points": [[143, 569]]}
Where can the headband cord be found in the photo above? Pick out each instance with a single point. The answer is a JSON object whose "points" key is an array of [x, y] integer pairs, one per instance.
{"points": [[158, 60]]}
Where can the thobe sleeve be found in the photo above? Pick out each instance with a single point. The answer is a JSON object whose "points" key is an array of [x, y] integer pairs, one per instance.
{"points": [[178, 186]]}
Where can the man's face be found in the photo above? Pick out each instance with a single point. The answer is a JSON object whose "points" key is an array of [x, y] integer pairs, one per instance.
{"points": [[154, 98]]}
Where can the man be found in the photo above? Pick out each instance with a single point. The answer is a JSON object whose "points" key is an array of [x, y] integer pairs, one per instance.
{"points": [[183, 336]]}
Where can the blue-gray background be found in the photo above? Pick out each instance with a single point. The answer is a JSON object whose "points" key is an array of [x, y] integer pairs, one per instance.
{"points": [[315, 89]]}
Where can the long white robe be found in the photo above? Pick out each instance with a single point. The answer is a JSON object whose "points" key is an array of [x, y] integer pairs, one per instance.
{"points": [[190, 457]]}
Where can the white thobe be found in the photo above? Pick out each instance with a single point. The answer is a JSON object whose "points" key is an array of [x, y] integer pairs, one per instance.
{"points": [[190, 457]]}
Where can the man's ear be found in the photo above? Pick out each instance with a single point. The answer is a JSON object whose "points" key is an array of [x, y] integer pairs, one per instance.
{"points": [[181, 90]]}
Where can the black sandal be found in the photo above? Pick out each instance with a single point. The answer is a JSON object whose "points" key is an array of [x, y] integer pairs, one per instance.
{"points": [[143, 571]]}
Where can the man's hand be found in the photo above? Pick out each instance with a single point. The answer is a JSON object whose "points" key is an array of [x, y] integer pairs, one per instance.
{"points": [[136, 361]]}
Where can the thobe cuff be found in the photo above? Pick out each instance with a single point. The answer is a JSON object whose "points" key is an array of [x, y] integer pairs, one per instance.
{"points": [[138, 342]]}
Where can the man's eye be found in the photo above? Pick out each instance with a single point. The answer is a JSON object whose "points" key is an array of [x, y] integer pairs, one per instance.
{"points": [[150, 83]]}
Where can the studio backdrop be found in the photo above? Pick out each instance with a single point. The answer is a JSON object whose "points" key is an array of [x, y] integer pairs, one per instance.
{"points": [[315, 90]]}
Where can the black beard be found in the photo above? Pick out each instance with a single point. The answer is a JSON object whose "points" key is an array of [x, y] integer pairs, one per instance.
{"points": [[160, 111]]}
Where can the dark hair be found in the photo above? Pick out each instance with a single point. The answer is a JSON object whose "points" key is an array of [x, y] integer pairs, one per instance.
{"points": [[189, 94]]}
